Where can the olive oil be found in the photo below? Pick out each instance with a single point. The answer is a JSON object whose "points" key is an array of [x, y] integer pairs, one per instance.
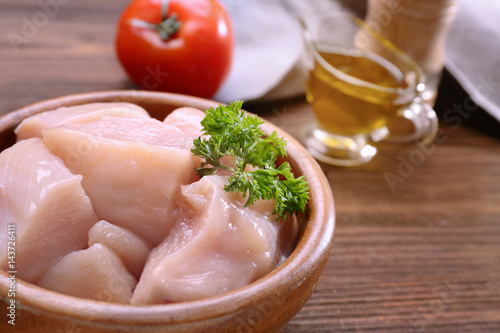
{"points": [[353, 93]]}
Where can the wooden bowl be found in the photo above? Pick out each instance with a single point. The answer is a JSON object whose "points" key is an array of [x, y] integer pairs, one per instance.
{"points": [[266, 305]]}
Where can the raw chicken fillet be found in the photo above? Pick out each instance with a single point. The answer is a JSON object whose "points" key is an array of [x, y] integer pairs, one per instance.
{"points": [[132, 169], [33, 126], [95, 273], [48, 205], [132, 250], [217, 245], [187, 119]]}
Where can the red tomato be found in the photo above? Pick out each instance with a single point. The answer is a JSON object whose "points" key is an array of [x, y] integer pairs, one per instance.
{"points": [[194, 60]]}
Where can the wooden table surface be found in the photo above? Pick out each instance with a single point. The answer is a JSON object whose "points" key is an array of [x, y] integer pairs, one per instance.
{"points": [[419, 253]]}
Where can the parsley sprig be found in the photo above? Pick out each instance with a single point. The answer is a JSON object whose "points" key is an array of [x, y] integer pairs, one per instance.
{"points": [[234, 133]]}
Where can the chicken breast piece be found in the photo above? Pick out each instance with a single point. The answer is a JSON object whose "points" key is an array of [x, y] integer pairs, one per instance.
{"points": [[187, 119], [33, 126], [46, 203], [132, 250], [132, 169], [95, 273], [217, 245]]}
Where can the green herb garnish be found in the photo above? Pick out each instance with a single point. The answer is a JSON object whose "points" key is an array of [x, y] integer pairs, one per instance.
{"points": [[233, 133]]}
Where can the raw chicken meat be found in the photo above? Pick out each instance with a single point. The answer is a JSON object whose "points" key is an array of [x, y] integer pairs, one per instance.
{"points": [[130, 248], [132, 169], [217, 245], [48, 205], [108, 176], [33, 126], [187, 119], [95, 273]]}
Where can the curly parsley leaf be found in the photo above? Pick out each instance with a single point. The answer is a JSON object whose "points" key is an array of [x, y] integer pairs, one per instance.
{"points": [[233, 133]]}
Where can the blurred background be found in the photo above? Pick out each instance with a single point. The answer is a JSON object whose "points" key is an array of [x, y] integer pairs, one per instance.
{"points": [[48, 38]]}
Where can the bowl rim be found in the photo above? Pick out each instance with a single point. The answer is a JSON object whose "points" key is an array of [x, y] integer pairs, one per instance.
{"points": [[313, 247]]}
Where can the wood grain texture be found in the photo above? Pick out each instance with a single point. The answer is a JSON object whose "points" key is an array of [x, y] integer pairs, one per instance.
{"points": [[422, 256]]}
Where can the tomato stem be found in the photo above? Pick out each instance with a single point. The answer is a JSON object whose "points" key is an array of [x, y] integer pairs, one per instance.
{"points": [[164, 10], [166, 28]]}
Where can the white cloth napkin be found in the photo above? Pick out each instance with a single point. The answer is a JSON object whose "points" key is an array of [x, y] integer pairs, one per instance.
{"points": [[269, 45], [473, 52]]}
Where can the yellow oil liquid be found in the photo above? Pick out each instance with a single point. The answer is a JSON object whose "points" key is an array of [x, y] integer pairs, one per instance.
{"points": [[347, 108]]}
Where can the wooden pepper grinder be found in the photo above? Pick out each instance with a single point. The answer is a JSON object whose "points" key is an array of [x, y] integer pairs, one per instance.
{"points": [[418, 27]]}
